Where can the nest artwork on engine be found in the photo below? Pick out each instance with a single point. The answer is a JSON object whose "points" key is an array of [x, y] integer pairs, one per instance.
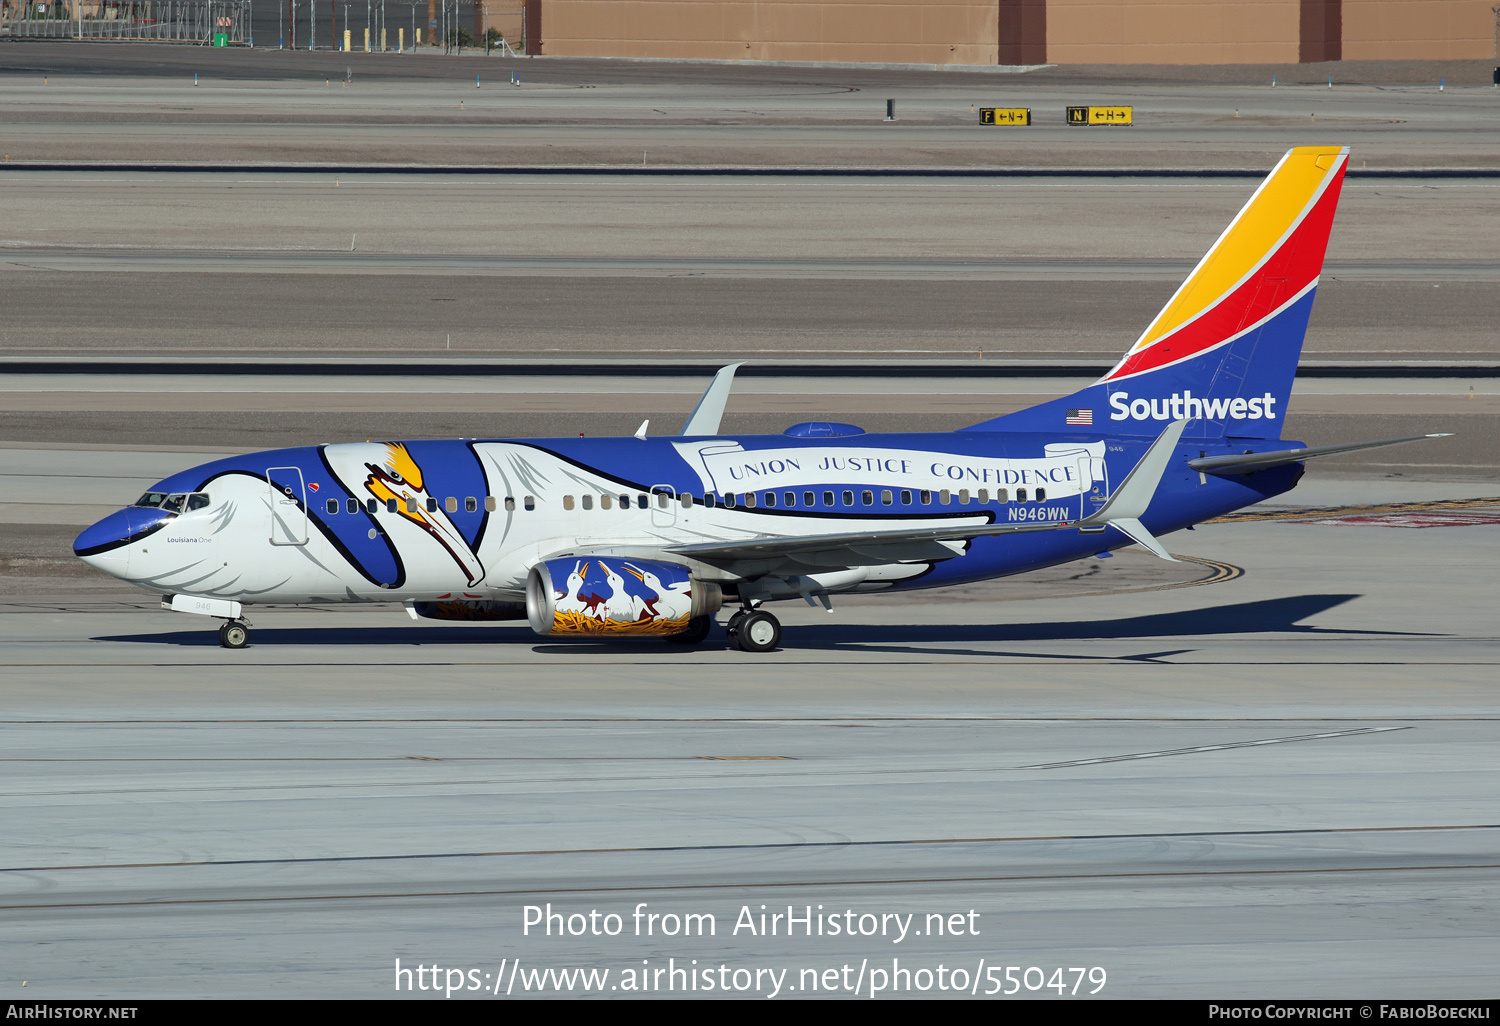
{"points": [[601, 595]]}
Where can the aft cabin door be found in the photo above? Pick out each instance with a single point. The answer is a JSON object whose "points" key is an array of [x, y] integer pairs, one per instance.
{"points": [[288, 506], [1093, 485]]}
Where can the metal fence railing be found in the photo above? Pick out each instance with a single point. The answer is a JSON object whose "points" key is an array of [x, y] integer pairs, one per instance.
{"points": [[206, 22]]}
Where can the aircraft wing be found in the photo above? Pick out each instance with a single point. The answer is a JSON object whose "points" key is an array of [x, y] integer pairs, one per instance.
{"points": [[801, 553], [798, 554]]}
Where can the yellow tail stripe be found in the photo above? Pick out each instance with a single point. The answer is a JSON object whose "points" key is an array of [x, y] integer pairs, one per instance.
{"points": [[1271, 212]]}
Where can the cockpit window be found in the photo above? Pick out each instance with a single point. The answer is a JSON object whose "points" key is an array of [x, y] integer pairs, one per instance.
{"points": [[176, 502]]}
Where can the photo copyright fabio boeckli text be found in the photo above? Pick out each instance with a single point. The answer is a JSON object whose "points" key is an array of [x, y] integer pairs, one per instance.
{"points": [[520, 973]]}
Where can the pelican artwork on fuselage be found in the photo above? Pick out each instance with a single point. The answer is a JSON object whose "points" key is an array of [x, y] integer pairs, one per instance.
{"points": [[652, 535]]}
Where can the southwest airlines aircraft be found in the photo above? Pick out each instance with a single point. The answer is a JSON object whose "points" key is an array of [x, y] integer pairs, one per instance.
{"points": [[650, 536]]}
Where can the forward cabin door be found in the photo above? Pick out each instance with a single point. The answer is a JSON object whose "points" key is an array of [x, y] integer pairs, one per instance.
{"points": [[288, 506]]}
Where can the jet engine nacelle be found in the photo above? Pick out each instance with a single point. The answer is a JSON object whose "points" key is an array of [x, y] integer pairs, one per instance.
{"points": [[469, 609], [616, 595]]}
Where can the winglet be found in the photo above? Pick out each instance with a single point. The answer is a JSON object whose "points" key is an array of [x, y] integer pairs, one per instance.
{"points": [[704, 420], [1133, 497], [1136, 532]]}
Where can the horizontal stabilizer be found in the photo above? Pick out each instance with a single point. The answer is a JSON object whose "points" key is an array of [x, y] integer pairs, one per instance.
{"points": [[1253, 461]]}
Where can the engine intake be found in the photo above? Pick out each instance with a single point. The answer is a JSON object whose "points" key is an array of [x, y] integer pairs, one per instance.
{"points": [[613, 595]]}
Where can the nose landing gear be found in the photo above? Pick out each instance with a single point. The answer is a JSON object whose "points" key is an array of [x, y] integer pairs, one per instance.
{"points": [[234, 634]]}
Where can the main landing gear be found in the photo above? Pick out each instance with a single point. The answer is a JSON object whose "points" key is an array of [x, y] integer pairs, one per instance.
{"points": [[754, 630], [234, 634], [750, 630]]}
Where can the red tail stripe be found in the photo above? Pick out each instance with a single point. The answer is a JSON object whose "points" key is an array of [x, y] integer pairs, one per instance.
{"points": [[1296, 263]]}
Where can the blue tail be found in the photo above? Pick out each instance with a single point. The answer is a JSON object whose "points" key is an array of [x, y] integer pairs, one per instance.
{"points": [[1223, 352]]}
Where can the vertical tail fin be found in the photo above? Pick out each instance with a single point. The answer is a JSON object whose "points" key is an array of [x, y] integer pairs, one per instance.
{"points": [[1224, 349]]}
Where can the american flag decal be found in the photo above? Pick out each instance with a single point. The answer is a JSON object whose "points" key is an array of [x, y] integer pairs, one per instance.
{"points": [[1080, 418]]}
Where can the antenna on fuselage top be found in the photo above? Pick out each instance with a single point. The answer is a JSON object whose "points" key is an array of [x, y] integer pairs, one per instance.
{"points": [[640, 432]]}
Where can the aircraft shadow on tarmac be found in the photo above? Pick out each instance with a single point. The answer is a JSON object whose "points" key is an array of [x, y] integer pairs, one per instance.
{"points": [[1268, 616]]}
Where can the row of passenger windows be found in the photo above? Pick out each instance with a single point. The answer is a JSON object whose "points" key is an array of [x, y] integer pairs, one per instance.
{"points": [[747, 500], [867, 497], [471, 505]]}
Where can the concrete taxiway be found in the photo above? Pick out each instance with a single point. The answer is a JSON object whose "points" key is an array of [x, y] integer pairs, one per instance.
{"points": [[598, 272], [74, 104], [778, 267], [1278, 784], [198, 406]]}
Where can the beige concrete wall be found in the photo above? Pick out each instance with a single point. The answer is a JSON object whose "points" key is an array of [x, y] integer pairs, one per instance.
{"points": [[967, 31], [1418, 29], [1164, 32], [882, 31]]}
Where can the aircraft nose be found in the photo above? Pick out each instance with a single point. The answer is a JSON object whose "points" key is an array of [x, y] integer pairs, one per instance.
{"points": [[106, 544]]}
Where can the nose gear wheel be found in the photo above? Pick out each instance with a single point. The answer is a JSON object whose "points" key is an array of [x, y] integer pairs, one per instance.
{"points": [[234, 635]]}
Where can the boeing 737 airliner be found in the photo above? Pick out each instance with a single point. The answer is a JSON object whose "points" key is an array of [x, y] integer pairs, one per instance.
{"points": [[650, 536]]}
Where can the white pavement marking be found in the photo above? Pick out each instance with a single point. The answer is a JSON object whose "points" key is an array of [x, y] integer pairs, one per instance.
{"points": [[1213, 748]]}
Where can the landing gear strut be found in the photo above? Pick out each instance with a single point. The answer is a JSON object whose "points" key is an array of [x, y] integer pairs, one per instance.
{"points": [[754, 630], [234, 634]]}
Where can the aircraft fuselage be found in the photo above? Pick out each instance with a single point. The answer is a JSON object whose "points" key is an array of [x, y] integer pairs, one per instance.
{"points": [[427, 520]]}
